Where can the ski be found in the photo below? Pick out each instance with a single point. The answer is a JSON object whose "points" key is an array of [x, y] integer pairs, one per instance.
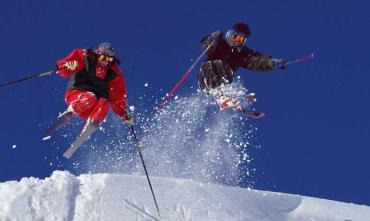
{"points": [[85, 134], [61, 121], [255, 114], [252, 114]]}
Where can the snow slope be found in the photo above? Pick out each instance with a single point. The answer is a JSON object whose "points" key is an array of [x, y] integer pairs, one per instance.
{"points": [[64, 196]]}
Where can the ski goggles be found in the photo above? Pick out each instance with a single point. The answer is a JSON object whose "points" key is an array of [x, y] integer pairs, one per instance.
{"points": [[239, 38]]}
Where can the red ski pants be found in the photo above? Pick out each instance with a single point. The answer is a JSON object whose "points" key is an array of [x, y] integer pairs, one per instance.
{"points": [[86, 105]]}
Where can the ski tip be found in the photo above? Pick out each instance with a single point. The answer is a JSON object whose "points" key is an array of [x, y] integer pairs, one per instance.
{"points": [[67, 156], [263, 114], [256, 115], [46, 138]]}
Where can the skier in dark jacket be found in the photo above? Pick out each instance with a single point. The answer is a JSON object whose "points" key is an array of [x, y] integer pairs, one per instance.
{"points": [[224, 58], [96, 83]]}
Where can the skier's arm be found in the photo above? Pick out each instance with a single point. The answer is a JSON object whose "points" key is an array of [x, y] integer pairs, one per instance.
{"points": [[256, 61], [117, 94], [73, 63]]}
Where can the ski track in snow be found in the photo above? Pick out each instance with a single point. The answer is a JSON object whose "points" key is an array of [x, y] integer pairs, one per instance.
{"points": [[141, 213], [110, 197]]}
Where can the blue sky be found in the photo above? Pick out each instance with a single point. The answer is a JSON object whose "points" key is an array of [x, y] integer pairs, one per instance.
{"points": [[315, 138]]}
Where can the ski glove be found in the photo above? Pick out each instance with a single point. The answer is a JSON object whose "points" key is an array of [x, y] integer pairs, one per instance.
{"points": [[129, 119], [70, 65], [279, 63], [206, 41]]}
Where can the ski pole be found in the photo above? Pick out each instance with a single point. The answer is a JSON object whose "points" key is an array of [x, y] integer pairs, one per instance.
{"points": [[28, 78], [301, 59], [142, 160], [182, 79]]}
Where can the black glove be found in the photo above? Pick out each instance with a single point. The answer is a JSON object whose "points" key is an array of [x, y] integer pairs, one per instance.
{"points": [[279, 63], [206, 41]]}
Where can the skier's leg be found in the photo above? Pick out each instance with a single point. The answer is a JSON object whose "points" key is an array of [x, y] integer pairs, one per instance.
{"points": [[214, 73], [205, 77], [80, 102], [96, 116], [100, 111]]}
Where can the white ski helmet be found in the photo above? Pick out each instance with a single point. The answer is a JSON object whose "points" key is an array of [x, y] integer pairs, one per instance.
{"points": [[105, 48]]}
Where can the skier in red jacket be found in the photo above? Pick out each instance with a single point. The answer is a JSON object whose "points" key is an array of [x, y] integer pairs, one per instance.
{"points": [[96, 84]]}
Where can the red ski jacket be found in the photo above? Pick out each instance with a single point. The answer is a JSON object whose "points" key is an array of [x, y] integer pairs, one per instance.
{"points": [[105, 82]]}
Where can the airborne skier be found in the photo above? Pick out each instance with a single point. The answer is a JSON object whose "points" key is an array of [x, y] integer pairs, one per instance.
{"points": [[226, 55], [96, 83]]}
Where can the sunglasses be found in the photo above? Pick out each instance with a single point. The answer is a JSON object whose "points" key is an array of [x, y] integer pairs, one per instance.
{"points": [[106, 58]]}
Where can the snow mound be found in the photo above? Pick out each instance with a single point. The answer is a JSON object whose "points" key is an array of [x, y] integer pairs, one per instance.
{"points": [[64, 196]]}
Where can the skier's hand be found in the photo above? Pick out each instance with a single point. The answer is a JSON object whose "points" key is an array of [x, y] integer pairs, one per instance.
{"points": [[129, 119], [279, 63], [70, 65], [213, 38]]}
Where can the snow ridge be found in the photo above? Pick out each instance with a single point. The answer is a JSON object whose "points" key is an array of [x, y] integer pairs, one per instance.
{"points": [[108, 197], [36, 198]]}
